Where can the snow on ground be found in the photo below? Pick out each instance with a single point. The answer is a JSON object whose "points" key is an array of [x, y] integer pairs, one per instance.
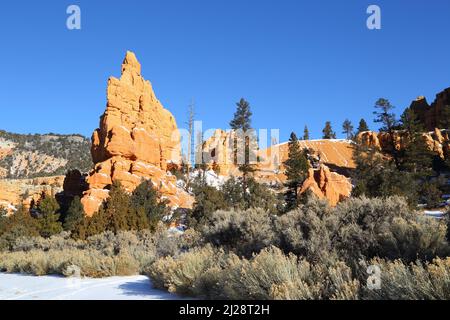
{"points": [[26, 287], [212, 179], [434, 214]]}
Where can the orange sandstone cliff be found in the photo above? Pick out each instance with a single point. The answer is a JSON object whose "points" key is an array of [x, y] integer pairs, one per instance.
{"points": [[137, 139], [323, 182]]}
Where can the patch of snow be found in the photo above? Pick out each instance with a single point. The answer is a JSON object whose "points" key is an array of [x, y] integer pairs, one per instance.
{"points": [[26, 287], [212, 179], [435, 214]]}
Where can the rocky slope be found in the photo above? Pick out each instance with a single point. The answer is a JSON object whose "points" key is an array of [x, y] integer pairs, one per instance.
{"points": [[438, 141], [137, 139], [336, 155], [30, 156], [431, 115], [16, 192]]}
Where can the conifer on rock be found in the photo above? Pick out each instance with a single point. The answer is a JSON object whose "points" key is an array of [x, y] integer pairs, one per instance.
{"points": [[347, 128], [328, 132], [362, 127], [296, 171], [306, 133]]}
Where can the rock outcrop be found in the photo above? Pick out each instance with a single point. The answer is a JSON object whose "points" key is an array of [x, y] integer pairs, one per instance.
{"points": [[25, 192], [218, 153], [430, 115], [437, 141], [327, 185], [137, 139]]}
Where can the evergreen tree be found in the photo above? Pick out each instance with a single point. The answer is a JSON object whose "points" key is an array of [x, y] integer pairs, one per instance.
{"points": [[245, 136], [416, 157], [348, 129], [117, 209], [384, 115], [411, 123], [75, 220], [207, 200], [306, 133], [148, 208], [48, 209], [20, 224], [328, 132], [377, 176], [362, 127], [242, 116], [296, 171]]}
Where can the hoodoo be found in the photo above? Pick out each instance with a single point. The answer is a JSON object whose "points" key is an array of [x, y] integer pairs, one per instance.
{"points": [[137, 139]]}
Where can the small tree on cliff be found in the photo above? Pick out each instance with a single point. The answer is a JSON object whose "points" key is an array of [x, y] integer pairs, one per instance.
{"points": [[306, 133], [347, 128], [241, 124], [384, 115], [328, 132], [362, 127], [296, 171], [376, 176], [416, 157], [75, 220]]}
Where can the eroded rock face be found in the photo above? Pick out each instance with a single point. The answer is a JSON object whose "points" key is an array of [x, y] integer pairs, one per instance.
{"points": [[430, 114], [137, 139], [323, 182], [437, 141], [327, 185], [25, 192]]}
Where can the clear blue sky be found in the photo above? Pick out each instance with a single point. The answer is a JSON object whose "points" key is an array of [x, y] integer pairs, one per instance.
{"points": [[297, 62]]}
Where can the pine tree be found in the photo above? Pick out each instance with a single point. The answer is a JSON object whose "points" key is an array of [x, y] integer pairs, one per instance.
{"points": [[362, 127], [117, 209], [75, 220], [306, 133], [328, 132], [49, 223], [376, 176], [148, 208], [245, 135], [296, 171], [411, 123], [416, 157], [384, 115], [348, 129]]}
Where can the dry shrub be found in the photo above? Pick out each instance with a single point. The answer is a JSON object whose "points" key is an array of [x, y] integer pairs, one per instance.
{"points": [[243, 232], [213, 274], [416, 281]]}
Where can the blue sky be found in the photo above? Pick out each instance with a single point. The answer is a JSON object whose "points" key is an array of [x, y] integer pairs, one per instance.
{"points": [[297, 62]]}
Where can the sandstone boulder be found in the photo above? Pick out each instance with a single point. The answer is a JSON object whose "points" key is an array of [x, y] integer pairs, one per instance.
{"points": [[327, 185]]}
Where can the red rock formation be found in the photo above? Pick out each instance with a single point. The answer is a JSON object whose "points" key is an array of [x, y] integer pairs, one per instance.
{"points": [[437, 141], [327, 185], [137, 139], [429, 114], [24, 192]]}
